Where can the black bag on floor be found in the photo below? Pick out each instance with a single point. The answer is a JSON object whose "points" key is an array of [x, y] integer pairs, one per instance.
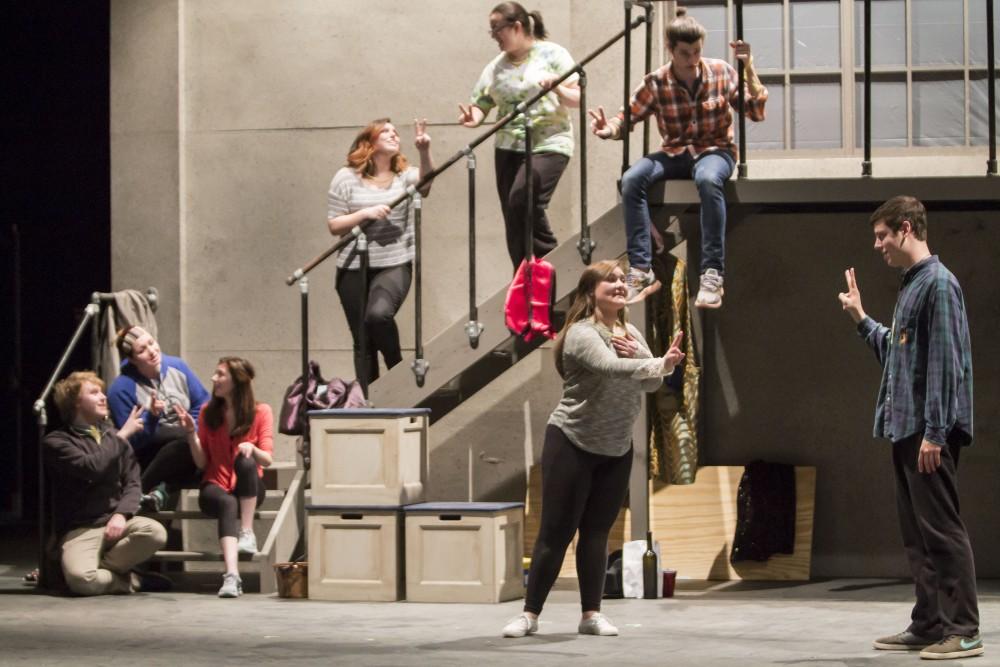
{"points": [[613, 587]]}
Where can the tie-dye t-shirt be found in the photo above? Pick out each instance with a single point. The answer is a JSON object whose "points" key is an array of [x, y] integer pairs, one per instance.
{"points": [[504, 85]]}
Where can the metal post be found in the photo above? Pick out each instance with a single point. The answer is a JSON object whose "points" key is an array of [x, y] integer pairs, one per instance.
{"points": [[419, 364], [741, 168], [529, 222], [991, 92], [473, 328], [648, 6], [366, 371], [627, 112], [586, 244], [866, 165], [304, 300]]}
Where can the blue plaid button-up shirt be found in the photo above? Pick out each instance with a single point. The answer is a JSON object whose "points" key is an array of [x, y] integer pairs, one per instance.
{"points": [[926, 359]]}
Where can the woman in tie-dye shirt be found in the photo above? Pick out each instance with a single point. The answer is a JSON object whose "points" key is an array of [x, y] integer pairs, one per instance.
{"points": [[526, 64]]}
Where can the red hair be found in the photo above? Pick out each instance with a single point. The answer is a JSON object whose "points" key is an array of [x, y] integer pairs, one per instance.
{"points": [[363, 148]]}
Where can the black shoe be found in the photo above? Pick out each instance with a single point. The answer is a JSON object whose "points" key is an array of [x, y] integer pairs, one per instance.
{"points": [[151, 502], [150, 582]]}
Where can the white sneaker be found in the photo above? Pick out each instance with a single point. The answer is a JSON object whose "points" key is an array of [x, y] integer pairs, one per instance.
{"points": [[637, 280], [520, 626], [232, 586], [598, 624], [710, 290], [247, 542]]}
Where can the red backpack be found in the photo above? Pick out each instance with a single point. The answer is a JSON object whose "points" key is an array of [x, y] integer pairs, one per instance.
{"points": [[528, 307]]}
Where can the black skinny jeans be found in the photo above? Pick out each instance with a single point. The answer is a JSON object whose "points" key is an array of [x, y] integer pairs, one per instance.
{"points": [[225, 506], [581, 491], [546, 168], [168, 459], [387, 289]]}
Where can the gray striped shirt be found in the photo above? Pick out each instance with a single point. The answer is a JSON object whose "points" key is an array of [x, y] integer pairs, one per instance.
{"points": [[602, 393], [390, 241]]}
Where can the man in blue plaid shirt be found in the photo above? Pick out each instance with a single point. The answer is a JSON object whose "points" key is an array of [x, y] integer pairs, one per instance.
{"points": [[925, 409]]}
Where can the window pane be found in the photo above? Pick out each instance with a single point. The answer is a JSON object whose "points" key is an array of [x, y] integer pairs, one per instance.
{"points": [[977, 32], [938, 35], [888, 32], [888, 113], [815, 34], [938, 113], [816, 115], [714, 20], [978, 105], [762, 28], [769, 134]]}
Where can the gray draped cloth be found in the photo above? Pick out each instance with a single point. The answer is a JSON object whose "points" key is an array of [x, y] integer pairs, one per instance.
{"points": [[129, 308]]}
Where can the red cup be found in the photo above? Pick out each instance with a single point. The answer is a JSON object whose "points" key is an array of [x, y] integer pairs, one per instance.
{"points": [[669, 579]]}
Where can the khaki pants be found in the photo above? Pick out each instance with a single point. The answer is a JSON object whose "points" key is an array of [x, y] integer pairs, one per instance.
{"points": [[94, 567]]}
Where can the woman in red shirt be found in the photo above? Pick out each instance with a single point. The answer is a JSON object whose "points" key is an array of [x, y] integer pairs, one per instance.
{"points": [[232, 446]]}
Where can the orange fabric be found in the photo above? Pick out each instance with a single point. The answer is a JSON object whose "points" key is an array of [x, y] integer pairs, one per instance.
{"points": [[220, 449]]}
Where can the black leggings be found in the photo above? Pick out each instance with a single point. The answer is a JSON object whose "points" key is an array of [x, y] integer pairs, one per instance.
{"points": [[387, 288], [225, 506], [579, 490], [547, 168], [168, 459]]}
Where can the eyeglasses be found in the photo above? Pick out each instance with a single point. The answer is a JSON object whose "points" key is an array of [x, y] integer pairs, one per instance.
{"points": [[495, 30]]}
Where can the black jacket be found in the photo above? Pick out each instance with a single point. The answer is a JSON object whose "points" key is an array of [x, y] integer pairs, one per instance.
{"points": [[90, 481]]}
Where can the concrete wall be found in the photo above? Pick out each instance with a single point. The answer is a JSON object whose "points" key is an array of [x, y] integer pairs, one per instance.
{"points": [[229, 117]]}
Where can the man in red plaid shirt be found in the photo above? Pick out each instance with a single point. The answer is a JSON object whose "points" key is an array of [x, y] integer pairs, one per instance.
{"points": [[693, 99]]}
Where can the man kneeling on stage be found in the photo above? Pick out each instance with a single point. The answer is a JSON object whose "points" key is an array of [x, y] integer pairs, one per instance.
{"points": [[96, 481]]}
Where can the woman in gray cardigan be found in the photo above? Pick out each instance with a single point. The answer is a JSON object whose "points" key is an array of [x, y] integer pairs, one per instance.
{"points": [[606, 366]]}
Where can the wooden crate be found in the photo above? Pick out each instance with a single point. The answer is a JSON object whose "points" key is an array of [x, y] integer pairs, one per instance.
{"points": [[355, 553]]}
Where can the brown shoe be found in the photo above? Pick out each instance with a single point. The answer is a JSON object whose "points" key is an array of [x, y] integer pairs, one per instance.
{"points": [[954, 646]]}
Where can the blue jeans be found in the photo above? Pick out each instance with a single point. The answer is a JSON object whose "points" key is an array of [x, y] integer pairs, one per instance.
{"points": [[710, 173]]}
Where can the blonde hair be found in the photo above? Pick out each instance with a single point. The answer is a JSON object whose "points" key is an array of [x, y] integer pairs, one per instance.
{"points": [[583, 302], [67, 391]]}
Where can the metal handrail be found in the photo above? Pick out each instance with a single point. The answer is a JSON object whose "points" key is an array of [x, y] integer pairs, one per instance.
{"points": [[991, 93], [741, 168], [866, 164]]}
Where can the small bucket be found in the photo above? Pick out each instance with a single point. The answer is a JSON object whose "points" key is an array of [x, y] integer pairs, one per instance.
{"points": [[293, 579]]}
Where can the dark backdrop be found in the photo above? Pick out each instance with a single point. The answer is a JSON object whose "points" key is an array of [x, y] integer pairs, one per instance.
{"points": [[55, 211]]}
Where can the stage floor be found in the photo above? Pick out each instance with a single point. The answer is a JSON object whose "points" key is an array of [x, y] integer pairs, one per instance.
{"points": [[818, 623]]}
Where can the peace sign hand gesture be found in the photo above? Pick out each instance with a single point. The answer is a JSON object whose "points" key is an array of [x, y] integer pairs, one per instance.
{"points": [[850, 300], [599, 123], [421, 139]]}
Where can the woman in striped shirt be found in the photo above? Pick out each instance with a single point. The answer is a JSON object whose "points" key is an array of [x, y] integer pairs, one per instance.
{"points": [[376, 174]]}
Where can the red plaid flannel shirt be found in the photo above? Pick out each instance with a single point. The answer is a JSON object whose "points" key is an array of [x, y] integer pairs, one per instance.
{"points": [[697, 125]]}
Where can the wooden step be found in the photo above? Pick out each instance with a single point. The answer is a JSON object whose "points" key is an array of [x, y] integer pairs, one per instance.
{"points": [[178, 556], [194, 515]]}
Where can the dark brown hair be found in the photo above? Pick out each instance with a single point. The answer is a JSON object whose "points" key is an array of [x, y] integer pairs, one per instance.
{"points": [[531, 22], [68, 390], [900, 208], [244, 405], [583, 302], [363, 148], [684, 29]]}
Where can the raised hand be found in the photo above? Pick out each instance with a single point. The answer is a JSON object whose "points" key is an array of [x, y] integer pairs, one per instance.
{"points": [[156, 407], [186, 420], [466, 116], [133, 423], [648, 291], [599, 123], [421, 139], [850, 300], [674, 354]]}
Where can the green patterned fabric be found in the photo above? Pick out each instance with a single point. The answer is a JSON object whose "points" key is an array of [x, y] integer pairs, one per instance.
{"points": [[504, 85]]}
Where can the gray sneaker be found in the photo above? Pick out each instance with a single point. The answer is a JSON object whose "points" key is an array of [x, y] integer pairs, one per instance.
{"points": [[246, 543], [904, 641], [636, 281], [232, 586], [710, 290], [598, 624], [954, 646], [520, 626]]}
